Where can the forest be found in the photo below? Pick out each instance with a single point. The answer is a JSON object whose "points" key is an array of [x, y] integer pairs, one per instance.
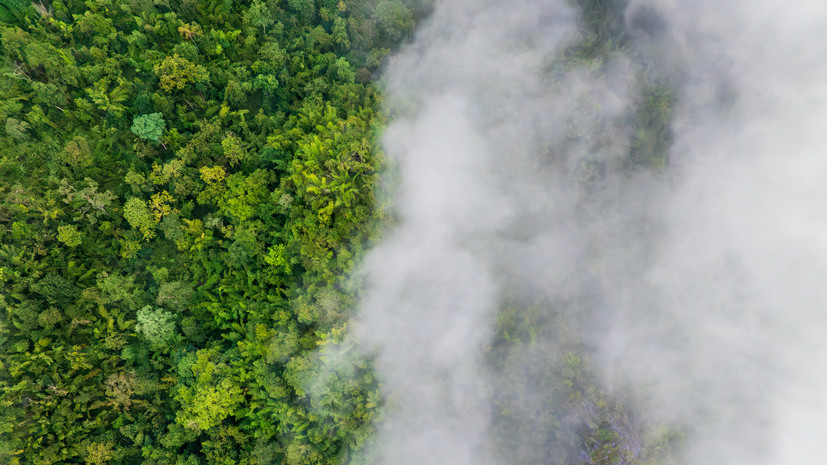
{"points": [[184, 187]]}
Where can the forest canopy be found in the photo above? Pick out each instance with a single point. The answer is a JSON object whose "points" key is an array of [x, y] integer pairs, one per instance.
{"points": [[183, 185]]}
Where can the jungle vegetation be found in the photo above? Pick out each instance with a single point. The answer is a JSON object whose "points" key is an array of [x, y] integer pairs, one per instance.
{"points": [[183, 183]]}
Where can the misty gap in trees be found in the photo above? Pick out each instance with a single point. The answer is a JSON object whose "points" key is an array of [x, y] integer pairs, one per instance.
{"points": [[185, 187]]}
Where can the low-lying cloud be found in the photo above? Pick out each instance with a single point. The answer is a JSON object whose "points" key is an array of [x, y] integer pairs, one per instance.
{"points": [[699, 278]]}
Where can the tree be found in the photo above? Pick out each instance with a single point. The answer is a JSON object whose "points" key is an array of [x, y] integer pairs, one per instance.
{"points": [[149, 127], [69, 235], [339, 32], [17, 129], [305, 10], [156, 326], [176, 73], [393, 19], [99, 453], [109, 100], [76, 152], [139, 216], [343, 71], [88, 203], [211, 397], [259, 15], [233, 149], [206, 406], [189, 30]]}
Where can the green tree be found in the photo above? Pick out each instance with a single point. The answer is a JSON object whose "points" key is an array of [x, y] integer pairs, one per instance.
{"points": [[305, 9], [149, 127], [343, 71], [176, 73], [259, 15], [88, 203], [77, 152], [233, 149], [393, 19], [69, 235], [211, 397], [109, 100], [139, 216], [17, 129], [156, 326]]}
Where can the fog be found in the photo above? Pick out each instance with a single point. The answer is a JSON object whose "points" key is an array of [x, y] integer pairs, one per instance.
{"points": [[699, 279]]}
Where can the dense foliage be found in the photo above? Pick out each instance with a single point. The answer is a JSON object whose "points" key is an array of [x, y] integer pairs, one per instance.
{"points": [[183, 184]]}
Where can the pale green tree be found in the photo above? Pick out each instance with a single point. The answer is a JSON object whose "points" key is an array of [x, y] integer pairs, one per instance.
{"points": [[156, 326], [69, 235], [149, 127], [139, 216], [211, 397], [259, 15]]}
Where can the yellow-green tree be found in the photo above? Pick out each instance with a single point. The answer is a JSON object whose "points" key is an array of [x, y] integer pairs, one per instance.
{"points": [[175, 73]]}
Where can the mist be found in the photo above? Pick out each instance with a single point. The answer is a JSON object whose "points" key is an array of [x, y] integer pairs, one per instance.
{"points": [[687, 274]]}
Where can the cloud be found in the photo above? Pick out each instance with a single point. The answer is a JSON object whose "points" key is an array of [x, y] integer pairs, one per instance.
{"points": [[525, 168], [724, 322]]}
